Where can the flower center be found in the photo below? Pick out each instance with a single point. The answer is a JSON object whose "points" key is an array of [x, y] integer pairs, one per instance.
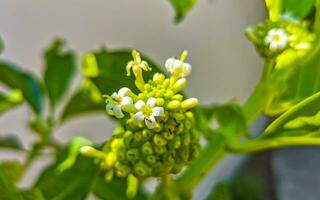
{"points": [[277, 38], [147, 111]]}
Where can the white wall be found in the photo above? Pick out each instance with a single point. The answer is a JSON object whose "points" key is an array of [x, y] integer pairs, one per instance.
{"points": [[225, 65]]}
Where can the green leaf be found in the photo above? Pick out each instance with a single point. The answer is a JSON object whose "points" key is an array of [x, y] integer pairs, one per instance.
{"points": [[7, 188], [307, 107], [182, 7], [274, 8], [220, 192], [295, 82], [13, 169], [10, 141], [59, 70], [73, 183], [30, 86], [85, 100], [116, 189], [112, 71], [33, 194], [11, 100], [297, 8]]}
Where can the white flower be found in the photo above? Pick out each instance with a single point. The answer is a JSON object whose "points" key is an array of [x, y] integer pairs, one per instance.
{"points": [[276, 39], [118, 101], [178, 67], [147, 112]]}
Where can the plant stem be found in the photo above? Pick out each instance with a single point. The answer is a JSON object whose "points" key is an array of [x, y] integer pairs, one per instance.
{"points": [[265, 144], [214, 152], [261, 95]]}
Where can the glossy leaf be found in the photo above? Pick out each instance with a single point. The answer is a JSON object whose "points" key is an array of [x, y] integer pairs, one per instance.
{"points": [[182, 8], [16, 78], [297, 8], [7, 188], [116, 189], [297, 82], [59, 70], [87, 99], [11, 142], [11, 100], [73, 183], [112, 71], [13, 169], [308, 107]]}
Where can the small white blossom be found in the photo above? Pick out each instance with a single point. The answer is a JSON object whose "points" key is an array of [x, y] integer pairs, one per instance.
{"points": [[178, 67], [147, 112], [276, 39], [118, 101]]}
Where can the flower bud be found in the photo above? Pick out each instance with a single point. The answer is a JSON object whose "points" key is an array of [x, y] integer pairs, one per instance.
{"points": [[147, 148], [178, 97], [160, 101], [174, 104], [160, 150], [189, 103], [141, 169], [132, 188], [122, 170], [159, 140], [168, 135], [133, 154], [158, 78], [109, 175], [179, 85], [91, 152], [151, 159]]}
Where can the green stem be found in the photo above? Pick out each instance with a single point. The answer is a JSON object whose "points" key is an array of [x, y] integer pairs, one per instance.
{"points": [[308, 106], [265, 144], [261, 95], [213, 153]]}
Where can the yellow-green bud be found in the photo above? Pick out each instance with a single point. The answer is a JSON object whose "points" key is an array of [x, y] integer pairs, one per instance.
{"points": [[109, 175], [168, 94], [132, 186], [147, 148], [189, 103], [133, 154], [91, 152], [122, 170], [141, 169], [166, 83], [146, 133], [160, 150], [174, 104], [110, 160], [179, 85], [178, 97], [158, 78], [160, 101], [168, 135], [159, 140], [151, 159]]}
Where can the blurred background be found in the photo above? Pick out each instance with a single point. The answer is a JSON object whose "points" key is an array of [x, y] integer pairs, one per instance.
{"points": [[225, 65]]}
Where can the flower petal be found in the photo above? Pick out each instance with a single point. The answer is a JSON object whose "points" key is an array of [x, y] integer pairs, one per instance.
{"points": [[126, 101], [157, 111], [123, 91], [150, 122], [138, 117], [115, 96], [109, 108], [151, 101], [139, 105], [118, 112], [186, 69], [169, 63]]}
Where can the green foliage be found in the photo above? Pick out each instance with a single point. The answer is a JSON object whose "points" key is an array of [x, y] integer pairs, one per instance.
{"points": [[7, 188], [13, 169], [73, 183], [84, 100], [297, 8], [59, 69], [220, 192], [11, 100], [112, 72], [297, 82], [11, 142], [16, 78], [182, 8]]}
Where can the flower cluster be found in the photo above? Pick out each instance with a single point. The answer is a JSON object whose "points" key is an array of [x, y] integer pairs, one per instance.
{"points": [[287, 36], [156, 136]]}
